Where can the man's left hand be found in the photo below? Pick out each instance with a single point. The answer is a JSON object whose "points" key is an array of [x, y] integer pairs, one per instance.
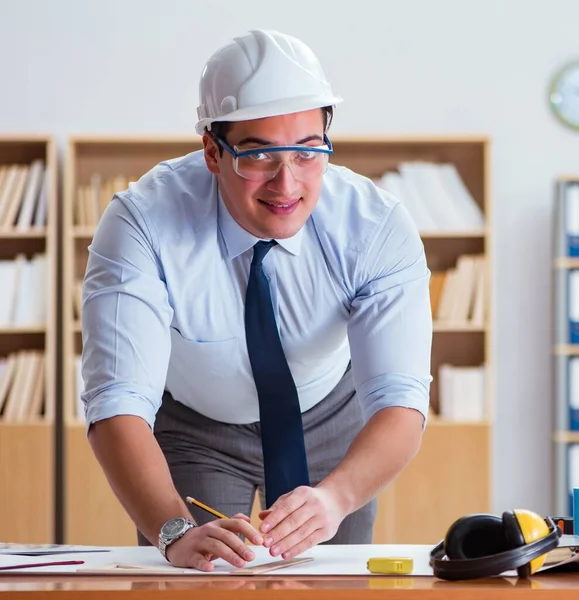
{"points": [[299, 520]]}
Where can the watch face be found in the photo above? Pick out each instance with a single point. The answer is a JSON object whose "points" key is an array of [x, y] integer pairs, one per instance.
{"points": [[173, 527], [564, 95]]}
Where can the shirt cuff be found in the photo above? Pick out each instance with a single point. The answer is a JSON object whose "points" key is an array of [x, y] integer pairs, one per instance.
{"points": [[105, 406], [387, 391]]}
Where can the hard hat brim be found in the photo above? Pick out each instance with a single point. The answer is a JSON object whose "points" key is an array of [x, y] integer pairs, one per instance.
{"points": [[271, 109]]}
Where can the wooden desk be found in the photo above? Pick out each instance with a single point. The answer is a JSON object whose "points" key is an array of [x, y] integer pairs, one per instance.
{"points": [[17, 587]]}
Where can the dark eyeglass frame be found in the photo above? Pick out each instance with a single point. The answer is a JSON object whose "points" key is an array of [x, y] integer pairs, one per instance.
{"points": [[326, 148]]}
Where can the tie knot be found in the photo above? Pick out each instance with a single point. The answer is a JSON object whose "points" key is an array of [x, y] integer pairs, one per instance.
{"points": [[260, 250]]}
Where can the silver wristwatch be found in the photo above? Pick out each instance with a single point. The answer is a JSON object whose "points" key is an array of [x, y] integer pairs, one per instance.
{"points": [[173, 530]]}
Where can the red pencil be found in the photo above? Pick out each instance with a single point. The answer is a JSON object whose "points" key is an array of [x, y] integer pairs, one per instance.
{"points": [[45, 564]]}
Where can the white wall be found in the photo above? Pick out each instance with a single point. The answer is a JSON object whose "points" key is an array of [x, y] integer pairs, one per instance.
{"points": [[413, 66]]}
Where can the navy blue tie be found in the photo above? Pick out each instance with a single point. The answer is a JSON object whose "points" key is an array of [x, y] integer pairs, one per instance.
{"points": [[282, 435]]}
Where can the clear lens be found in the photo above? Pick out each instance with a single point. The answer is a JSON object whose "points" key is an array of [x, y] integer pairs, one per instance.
{"points": [[304, 164]]}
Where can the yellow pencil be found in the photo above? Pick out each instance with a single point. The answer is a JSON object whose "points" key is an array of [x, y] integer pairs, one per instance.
{"points": [[205, 507]]}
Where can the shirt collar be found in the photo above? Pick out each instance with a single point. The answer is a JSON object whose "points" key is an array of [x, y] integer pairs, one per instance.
{"points": [[238, 240]]}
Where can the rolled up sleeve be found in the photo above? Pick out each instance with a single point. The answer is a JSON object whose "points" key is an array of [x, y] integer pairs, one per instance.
{"points": [[390, 327], [125, 318]]}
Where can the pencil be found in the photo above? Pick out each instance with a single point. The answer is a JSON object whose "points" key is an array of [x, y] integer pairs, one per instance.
{"points": [[205, 507], [44, 564]]}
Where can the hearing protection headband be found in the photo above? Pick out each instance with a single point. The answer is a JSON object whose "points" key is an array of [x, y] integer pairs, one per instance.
{"points": [[495, 564]]}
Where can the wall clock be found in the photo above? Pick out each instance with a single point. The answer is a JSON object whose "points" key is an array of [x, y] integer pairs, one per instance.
{"points": [[564, 95]]}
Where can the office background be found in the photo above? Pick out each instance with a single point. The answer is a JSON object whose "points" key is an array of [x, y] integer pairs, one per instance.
{"points": [[417, 66]]}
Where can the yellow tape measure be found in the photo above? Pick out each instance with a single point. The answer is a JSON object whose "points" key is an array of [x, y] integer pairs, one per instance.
{"points": [[391, 565]]}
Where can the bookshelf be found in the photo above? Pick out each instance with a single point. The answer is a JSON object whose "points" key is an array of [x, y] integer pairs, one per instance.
{"points": [[565, 343], [115, 160], [28, 328], [450, 476]]}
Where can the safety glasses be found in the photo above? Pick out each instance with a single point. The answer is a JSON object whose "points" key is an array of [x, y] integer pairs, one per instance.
{"points": [[264, 162]]}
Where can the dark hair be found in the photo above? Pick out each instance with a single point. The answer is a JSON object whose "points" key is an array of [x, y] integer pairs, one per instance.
{"points": [[220, 129]]}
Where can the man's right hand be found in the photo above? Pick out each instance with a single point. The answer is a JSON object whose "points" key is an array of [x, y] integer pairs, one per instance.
{"points": [[217, 539]]}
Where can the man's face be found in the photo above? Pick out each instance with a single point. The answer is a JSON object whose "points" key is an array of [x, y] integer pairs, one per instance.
{"points": [[279, 207]]}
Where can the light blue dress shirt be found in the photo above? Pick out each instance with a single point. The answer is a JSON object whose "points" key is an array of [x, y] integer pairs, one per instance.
{"points": [[164, 291]]}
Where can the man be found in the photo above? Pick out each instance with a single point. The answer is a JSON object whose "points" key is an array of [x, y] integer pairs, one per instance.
{"points": [[255, 318]]}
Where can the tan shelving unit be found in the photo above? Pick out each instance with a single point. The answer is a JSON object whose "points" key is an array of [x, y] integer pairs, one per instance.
{"points": [[27, 444], [86, 490], [450, 477], [565, 349]]}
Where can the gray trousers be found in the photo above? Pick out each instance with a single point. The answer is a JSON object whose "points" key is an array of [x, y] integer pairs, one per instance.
{"points": [[222, 464]]}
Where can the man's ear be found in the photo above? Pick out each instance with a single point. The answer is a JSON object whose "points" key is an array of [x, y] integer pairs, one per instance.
{"points": [[211, 153]]}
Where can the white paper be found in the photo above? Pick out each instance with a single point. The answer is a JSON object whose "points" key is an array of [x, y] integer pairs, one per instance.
{"points": [[328, 560]]}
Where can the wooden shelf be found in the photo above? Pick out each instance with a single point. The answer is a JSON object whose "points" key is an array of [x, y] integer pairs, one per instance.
{"points": [[27, 473], [406, 511], [564, 352], [84, 473], [27, 448], [440, 485], [442, 475], [566, 263], [108, 156], [567, 178], [437, 327], [22, 330], [566, 349], [23, 235], [566, 437], [453, 234], [83, 232], [435, 421], [442, 327]]}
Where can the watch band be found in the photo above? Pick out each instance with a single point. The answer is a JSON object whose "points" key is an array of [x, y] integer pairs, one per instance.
{"points": [[165, 542]]}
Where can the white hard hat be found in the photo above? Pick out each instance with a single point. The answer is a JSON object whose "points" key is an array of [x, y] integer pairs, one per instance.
{"points": [[261, 74]]}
